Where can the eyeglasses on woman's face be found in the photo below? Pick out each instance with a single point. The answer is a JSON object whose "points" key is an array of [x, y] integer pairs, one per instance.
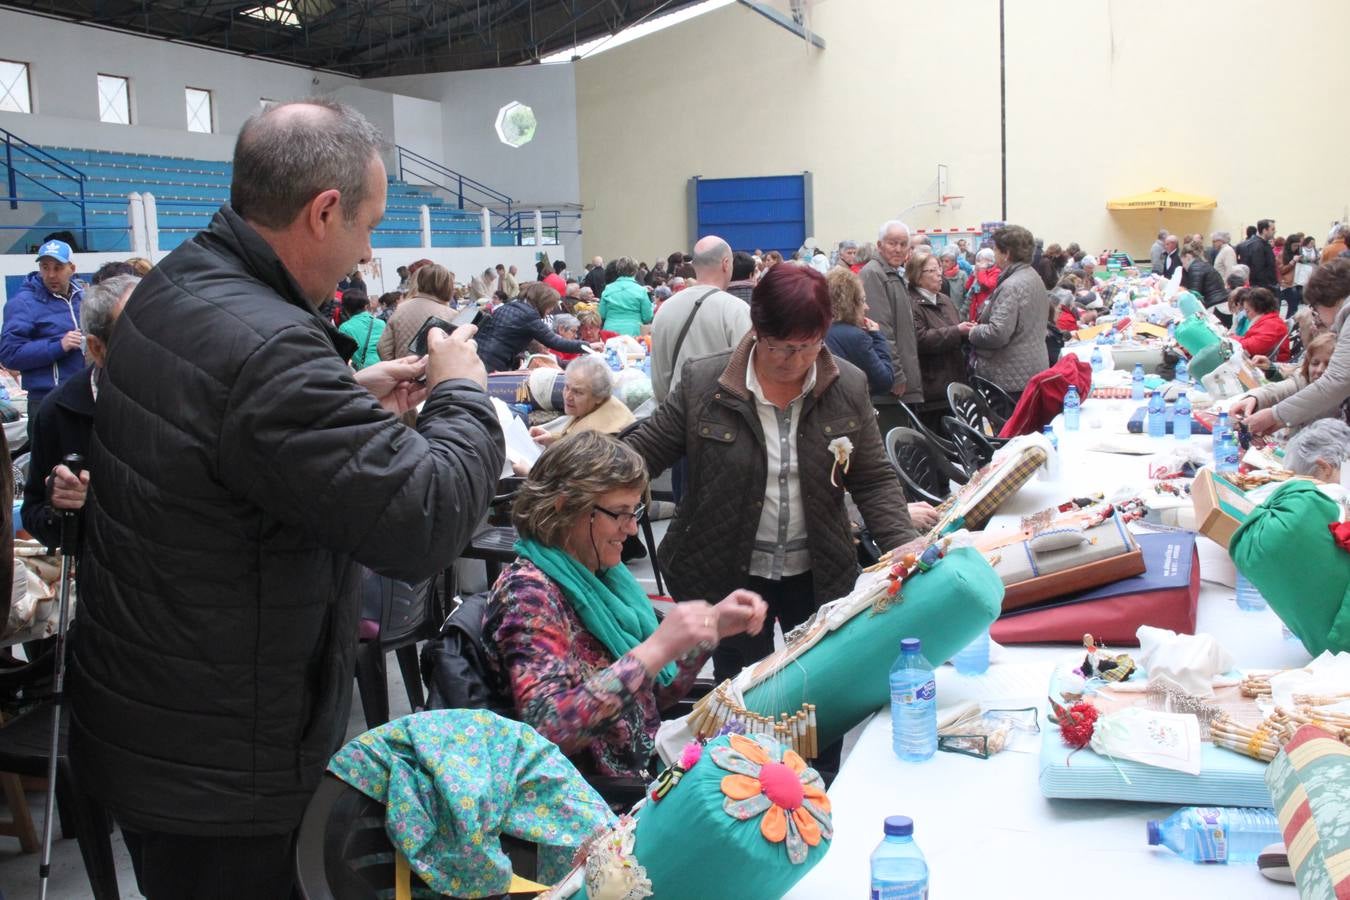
{"points": [[788, 351], [624, 519]]}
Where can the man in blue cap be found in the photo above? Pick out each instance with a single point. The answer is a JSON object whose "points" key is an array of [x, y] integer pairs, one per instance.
{"points": [[41, 336]]}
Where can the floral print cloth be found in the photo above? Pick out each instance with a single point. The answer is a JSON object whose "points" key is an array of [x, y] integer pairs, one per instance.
{"points": [[452, 780], [603, 713]]}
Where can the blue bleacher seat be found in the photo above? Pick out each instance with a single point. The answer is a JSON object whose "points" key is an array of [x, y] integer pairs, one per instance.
{"points": [[188, 192]]}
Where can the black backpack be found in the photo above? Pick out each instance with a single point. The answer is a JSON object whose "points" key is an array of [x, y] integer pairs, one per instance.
{"points": [[454, 664]]}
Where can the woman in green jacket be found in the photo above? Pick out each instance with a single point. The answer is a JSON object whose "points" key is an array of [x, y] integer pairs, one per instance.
{"points": [[361, 326], [625, 306]]}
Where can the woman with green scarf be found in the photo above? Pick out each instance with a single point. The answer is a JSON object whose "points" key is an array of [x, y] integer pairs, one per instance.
{"points": [[571, 631]]}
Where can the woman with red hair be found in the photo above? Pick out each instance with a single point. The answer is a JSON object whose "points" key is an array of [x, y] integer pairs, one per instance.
{"points": [[776, 431]]}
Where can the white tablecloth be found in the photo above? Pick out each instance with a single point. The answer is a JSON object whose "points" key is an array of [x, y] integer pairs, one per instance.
{"points": [[983, 824]]}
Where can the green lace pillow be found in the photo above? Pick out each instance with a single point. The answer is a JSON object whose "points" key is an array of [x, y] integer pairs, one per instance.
{"points": [[1313, 597]]}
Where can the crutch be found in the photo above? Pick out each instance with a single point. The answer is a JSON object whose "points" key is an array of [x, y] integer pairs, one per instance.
{"points": [[70, 527]]}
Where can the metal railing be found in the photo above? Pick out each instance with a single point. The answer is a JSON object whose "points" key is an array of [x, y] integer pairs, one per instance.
{"points": [[17, 145], [464, 189]]}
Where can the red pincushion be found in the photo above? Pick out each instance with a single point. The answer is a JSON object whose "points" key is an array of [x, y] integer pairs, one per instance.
{"points": [[781, 785]]}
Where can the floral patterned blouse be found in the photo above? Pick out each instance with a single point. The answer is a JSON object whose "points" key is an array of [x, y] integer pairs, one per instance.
{"points": [[603, 714]]}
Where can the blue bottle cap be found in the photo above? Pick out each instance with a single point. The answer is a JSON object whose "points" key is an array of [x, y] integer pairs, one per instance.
{"points": [[1154, 832], [909, 645], [899, 826]]}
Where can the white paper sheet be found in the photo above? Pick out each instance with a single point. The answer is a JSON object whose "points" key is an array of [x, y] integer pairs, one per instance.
{"points": [[520, 447]]}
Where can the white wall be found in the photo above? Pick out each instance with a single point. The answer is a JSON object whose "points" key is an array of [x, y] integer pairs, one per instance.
{"points": [[542, 172], [418, 126], [64, 62], [1103, 100]]}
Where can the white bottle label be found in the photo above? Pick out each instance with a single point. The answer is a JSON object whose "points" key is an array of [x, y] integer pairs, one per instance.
{"points": [[903, 890]]}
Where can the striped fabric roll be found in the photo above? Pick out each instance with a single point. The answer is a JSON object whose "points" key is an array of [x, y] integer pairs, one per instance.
{"points": [[1310, 784]]}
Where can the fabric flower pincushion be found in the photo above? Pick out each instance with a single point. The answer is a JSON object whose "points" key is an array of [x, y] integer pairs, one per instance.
{"points": [[747, 819], [776, 785]]}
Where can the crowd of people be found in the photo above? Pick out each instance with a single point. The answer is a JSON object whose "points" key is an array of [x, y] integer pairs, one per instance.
{"points": [[256, 435]]}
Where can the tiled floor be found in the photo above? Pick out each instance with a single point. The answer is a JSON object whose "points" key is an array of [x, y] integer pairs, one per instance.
{"points": [[19, 872]]}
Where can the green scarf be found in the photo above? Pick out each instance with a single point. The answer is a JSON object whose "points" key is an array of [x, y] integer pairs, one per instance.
{"points": [[613, 607]]}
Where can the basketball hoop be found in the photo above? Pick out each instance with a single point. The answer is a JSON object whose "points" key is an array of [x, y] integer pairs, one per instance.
{"points": [[952, 200]]}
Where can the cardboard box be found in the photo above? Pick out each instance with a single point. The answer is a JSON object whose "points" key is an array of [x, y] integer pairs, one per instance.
{"points": [[1220, 506]]}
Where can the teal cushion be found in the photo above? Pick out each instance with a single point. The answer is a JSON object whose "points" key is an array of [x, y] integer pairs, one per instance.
{"points": [[846, 675], [1312, 596]]}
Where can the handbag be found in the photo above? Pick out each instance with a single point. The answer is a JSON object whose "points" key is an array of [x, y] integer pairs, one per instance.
{"points": [[454, 665]]}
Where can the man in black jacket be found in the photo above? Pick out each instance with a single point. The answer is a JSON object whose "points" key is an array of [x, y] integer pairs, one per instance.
{"points": [[1256, 254], [240, 472]]}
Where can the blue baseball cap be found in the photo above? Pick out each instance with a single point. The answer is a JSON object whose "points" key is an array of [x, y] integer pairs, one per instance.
{"points": [[57, 250]]}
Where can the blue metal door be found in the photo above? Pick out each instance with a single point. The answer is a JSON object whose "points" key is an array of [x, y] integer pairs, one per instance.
{"points": [[761, 213]]}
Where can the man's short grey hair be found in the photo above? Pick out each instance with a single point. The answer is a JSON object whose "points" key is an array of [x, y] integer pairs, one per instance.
{"points": [[1327, 440], [847, 245], [1337, 230], [565, 320], [891, 225], [677, 281], [1224, 236], [985, 253], [99, 303], [291, 152], [712, 255], [949, 252], [1162, 233], [595, 374]]}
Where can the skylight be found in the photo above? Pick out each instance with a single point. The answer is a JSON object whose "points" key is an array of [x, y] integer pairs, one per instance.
{"points": [[281, 12], [633, 32]]}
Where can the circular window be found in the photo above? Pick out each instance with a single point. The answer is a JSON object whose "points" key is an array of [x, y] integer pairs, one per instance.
{"points": [[516, 124]]}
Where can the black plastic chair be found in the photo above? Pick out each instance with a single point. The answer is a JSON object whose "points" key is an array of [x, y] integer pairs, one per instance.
{"points": [[409, 613], [912, 420], [998, 399], [972, 448], [969, 407], [923, 469], [24, 750], [344, 853]]}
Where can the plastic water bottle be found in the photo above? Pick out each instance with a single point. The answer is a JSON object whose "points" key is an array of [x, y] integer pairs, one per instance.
{"points": [[973, 659], [1216, 834], [913, 704], [1249, 599], [1227, 461], [1071, 409], [899, 871], [1181, 418], [1157, 415], [647, 365], [612, 359], [1137, 382], [1183, 373], [1049, 432], [1097, 363], [1221, 428]]}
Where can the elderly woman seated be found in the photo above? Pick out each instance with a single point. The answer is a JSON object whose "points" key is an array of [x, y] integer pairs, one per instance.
{"points": [[589, 403], [1320, 451], [571, 631]]}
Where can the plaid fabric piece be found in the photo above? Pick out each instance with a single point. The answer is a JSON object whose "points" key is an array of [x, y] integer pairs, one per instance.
{"points": [[1309, 784], [1007, 482]]}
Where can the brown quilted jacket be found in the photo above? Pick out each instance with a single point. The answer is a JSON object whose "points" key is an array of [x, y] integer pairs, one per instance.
{"points": [[710, 418]]}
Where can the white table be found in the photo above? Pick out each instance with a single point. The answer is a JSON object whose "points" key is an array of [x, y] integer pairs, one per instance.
{"points": [[983, 824]]}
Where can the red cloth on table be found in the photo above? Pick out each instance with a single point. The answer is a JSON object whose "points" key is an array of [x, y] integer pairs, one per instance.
{"points": [[1044, 395], [1066, 321], [1264, 334]]}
